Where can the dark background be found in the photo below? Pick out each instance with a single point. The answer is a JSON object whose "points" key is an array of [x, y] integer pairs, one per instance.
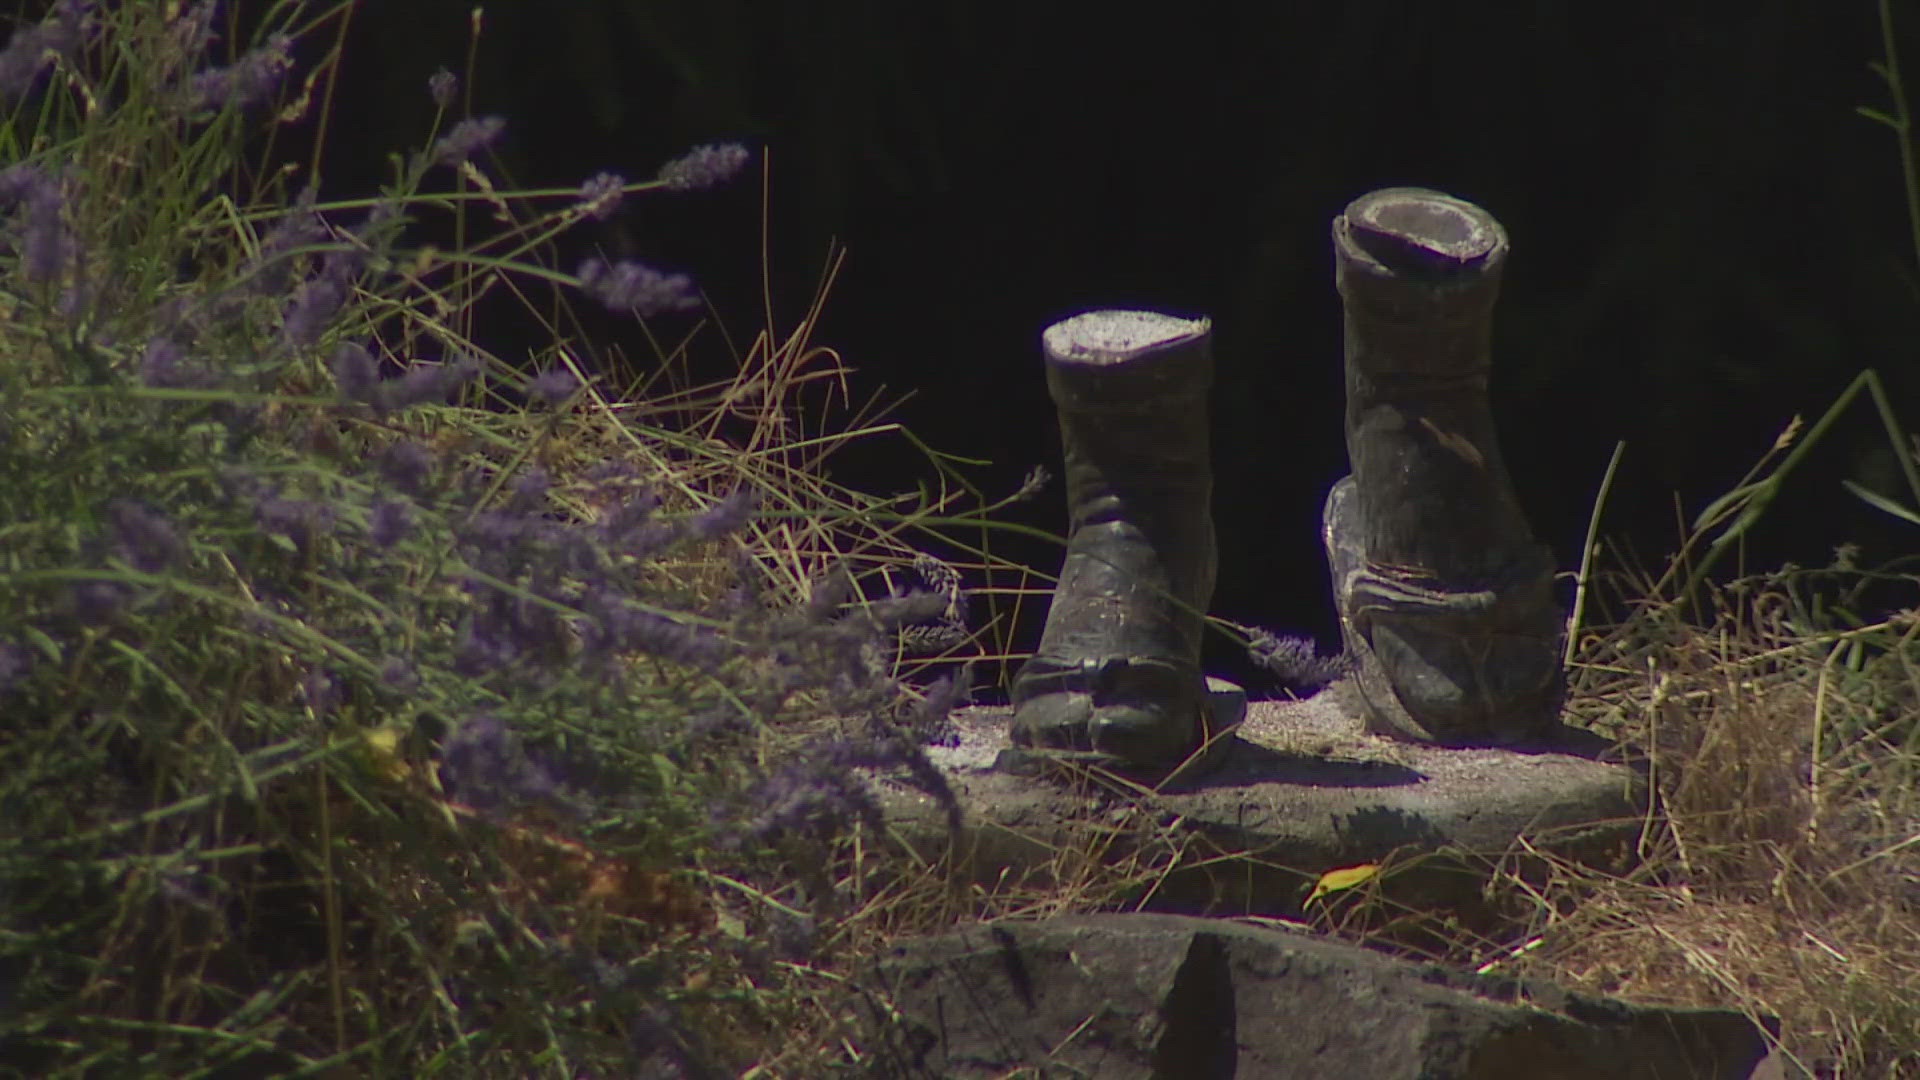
{"points": [[1706, 238]]}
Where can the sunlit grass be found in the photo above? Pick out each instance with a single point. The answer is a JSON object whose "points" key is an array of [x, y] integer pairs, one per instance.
{"points": [[375, 704]]}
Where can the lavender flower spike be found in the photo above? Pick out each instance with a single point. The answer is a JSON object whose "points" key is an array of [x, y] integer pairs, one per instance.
{"points": [[389, 522], [248, 81], [16, 663], [306, 315], [18, 183], [484, 764], [32, 49], [442, 87], [354, 372], [723, 518], [629, 286], [704, 167], [143, 536], [48, 244], [553, 386], [600, 195], [467, 138]]}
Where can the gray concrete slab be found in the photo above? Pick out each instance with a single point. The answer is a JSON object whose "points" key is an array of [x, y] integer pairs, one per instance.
{"points": [[1301, 789]]}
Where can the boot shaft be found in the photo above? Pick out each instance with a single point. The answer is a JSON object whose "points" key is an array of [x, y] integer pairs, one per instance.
{"points": [[1131, 392], [1419, 273], [1117, 673], [1446, 600]]}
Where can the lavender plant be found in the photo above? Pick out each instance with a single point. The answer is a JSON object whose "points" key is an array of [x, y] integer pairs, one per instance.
{"points": [[354, 717]]}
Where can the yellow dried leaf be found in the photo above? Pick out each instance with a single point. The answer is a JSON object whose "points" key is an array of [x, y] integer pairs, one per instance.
{"points": [[1342, 879], [381, 755]]}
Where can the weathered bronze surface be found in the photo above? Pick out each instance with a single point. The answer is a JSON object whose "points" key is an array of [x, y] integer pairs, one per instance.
{"points": [[1117, 678], [1446, 601]]}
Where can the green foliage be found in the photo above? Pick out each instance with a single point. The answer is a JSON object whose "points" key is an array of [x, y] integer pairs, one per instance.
{"points": [[368, 702]]}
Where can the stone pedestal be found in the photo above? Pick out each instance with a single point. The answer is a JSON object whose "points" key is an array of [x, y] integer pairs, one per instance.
{"points": [[1302, 788]]}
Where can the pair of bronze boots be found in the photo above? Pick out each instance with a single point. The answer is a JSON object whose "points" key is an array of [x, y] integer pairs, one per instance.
{"points": [[1446, 601]]}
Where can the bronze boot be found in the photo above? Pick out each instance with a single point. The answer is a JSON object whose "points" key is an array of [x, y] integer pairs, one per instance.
{"points": [[1446, 601], [1116, 680]]}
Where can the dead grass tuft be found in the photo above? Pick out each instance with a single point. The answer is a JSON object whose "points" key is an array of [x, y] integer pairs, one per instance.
{"points": [[1780, 871]]}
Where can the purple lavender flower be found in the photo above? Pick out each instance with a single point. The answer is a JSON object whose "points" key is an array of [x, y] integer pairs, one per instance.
{"points": [[19, 182], [382, 223], [45, 242], [405, 465], [600, 195], [177, 315], [164, 366], [628, 286], [659, 1043], [97, 603], [631, 531], [423, 382], [242, 484], [704, 167], [578, 554], [718, 721], [615, 626], [342, 266], [321, 691], [389, 522], [242, 423], [628, 516], [530, 491], [459, 373], [298, 228], [553, 386], [246, 82], [610, 470], [485, 766], [531, 627], [296, 519], [723, 518], [354, 372], [826, 594], [442, 87], [478, 653], [192, 32], [399, 675], [143, 536], [33, 49], [314, 303], [16, 663], [807, 798], [74, 300], [795, 937], [467, 138], [495, 530]]}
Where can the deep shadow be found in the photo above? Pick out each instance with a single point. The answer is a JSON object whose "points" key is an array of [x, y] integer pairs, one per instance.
{"points": [[1247, 763], [1201, 1038], [1573, 742]]}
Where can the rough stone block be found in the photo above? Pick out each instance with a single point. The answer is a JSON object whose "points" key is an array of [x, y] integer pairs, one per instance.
{"points": [[1303, 789], [1167, 997]]}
